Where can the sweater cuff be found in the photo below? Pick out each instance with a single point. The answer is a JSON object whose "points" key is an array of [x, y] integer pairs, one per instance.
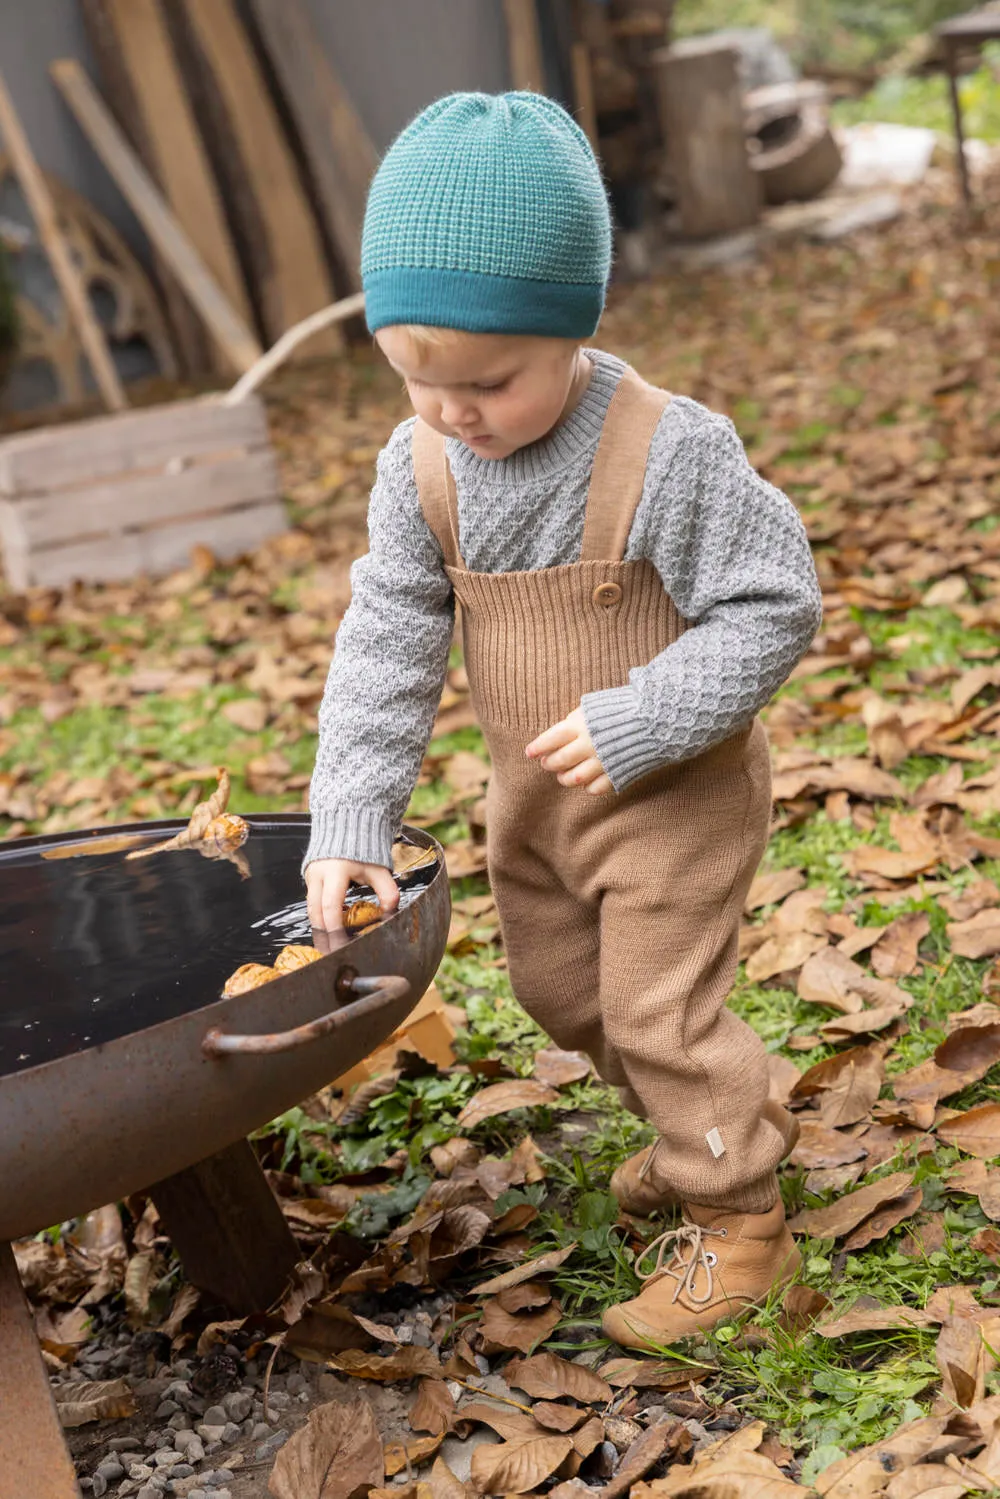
{"points": [[363, 834], [619, 733]]}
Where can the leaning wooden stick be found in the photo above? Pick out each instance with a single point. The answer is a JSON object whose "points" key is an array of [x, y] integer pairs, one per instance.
{"points": [[36, 191], [337, 312], [153, 212]]}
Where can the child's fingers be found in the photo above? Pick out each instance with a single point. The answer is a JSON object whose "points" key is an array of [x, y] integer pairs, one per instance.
{"points": [[552, 739], [583, 774], [601, 786], [574, 754], [385, 888], [332, 897]]}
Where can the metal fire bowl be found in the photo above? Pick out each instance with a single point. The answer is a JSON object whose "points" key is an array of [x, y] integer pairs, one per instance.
{"points": [[113, 1118]]}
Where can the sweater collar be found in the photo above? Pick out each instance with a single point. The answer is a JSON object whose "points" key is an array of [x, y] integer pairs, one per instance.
{"points": [[576, 435]]}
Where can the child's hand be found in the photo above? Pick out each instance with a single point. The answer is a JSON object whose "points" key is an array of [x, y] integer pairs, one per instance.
{"points": [[566, 749], [326, 887]]}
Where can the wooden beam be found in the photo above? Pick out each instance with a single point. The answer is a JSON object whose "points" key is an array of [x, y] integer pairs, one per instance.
{"points": [[179, 160], [33, 1456], [197, 351], [226, 1225], [341, 157], [583, 92], [255, 161], [230, 331], [527, 71], [71, 284]]}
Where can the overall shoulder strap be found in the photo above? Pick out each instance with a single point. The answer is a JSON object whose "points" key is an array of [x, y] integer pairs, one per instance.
{"points": [[620, 467], [436, 490]]}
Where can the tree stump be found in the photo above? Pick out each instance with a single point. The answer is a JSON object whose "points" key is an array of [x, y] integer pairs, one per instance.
{"points": [[702, 111]]}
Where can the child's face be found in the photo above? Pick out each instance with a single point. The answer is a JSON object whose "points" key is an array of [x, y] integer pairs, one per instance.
{"points": [[496, 392]]}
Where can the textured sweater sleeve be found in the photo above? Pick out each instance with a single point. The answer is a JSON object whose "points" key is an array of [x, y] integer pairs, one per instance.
{"points": [[388, 669], [733, 555]]}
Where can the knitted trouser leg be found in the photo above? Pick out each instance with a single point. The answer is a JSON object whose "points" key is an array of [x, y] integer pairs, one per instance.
{"points": [[670, 919], [552, 944]]}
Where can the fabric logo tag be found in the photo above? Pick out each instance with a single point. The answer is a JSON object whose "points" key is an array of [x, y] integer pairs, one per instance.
{"points": [[715, 1144]]}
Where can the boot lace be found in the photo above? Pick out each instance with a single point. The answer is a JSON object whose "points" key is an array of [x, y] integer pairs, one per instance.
{"points": [[689, 1258]]}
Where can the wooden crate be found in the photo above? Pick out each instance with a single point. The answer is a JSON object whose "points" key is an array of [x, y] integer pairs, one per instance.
{"points": [[103, 500]]}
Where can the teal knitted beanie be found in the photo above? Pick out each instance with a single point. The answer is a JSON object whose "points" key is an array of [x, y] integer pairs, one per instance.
{"points": [[488, 213]]}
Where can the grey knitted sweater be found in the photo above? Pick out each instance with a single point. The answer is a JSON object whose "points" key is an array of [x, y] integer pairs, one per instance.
{"points": [[730, 548]]}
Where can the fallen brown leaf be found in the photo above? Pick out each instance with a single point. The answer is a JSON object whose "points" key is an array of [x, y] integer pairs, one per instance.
{"points": [[782, 953], [527, 1295], [88, 1400], [556, 1417], [650, 1374], [987, 1241], [540, 1265], [501, 1098], [404, 1456], [895, 953], [874, 1319], [820, 1146], [434, 1408], [978, 896], [444, 1484], [547, 1377], [769, 888], [979, 937], [401, 1364], [977, 1131], [840, 1217], [522, 1332], [518, 1467], [561, 1067], [884, 1219], [337, 1453]]}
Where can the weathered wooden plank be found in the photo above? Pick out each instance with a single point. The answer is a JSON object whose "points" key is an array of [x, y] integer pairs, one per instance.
{"points": [[198, 352], [114, 559], [341, 157], [34, 1460], [701, 105], [229, 329], [183, 167], [256, 165], [71, 284], [527, 70], [137, 503], [81, 453]]}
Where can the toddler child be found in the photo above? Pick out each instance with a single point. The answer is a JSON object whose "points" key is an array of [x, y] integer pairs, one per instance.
{"points": [[631, 594]]}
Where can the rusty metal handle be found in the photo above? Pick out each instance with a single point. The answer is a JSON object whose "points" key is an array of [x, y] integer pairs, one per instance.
{"points": [[369, 994]]}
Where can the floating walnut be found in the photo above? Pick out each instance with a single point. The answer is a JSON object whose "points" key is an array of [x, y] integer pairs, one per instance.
{"points": [[249, 976], [212, 831], [362, 913], [295, 956]]}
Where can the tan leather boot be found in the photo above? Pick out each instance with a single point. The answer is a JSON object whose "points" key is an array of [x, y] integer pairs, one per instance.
{"points": [[711, 1268], [637, 1187], [640, 1187]]}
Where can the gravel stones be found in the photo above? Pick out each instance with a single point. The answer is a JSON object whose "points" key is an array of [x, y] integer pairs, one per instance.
{"points": [[238, 1405]]}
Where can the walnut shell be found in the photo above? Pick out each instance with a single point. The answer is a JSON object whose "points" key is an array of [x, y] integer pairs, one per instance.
{"points": [[361, 914], [295, 956], [248, 976]]}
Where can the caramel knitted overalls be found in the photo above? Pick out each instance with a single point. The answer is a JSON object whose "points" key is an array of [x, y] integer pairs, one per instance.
{"points": [[620, 914]]}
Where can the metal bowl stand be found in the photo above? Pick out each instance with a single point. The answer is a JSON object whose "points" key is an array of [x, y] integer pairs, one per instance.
{"points": [[229, 1231]]}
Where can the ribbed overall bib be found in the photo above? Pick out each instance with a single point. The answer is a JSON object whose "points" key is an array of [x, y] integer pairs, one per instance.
{"points": [[620, 914]]}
